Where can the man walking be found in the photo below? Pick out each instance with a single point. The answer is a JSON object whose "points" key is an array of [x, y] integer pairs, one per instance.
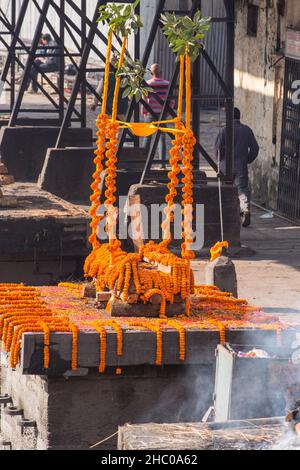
{"points": [[246, 150], [160, 87], [48, 63]]}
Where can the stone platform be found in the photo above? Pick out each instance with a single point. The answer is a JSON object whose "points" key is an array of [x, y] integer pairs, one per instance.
{"points": [[139, 348], [74, 410], [41, 238], [152, 379]]}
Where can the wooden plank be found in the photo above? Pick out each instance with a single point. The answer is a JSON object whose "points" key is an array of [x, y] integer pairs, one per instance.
{"points": [[118, 308], [139, 348], [89, 291], [103, 296]]}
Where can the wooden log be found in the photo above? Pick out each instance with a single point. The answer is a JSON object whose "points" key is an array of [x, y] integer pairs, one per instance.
{"points": [[89, 291], [149, 310], [132, 298], [103, 296], [156, 299]]}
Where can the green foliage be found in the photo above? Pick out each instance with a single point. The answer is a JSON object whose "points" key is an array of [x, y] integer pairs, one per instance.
{"points": [[184, 33], [121, 19], [132, 80]]}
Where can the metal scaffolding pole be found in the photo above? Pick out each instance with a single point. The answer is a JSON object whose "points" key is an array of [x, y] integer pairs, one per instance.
{"points": [[66, 111], [82, 32], [80, 80], [226, 84], [13, 27]]}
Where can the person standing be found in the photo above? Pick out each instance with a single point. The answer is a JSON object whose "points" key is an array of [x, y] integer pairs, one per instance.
{"points": [[160, 87], [48, 63], [246, 150]]}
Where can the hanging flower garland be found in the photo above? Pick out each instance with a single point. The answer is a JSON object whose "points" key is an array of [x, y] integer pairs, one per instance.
{"points": [[157, 330], [102, 123], [182, 337], [102, 345]]}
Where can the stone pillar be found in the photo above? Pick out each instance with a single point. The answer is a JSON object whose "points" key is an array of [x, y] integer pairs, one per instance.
{"points": [[221, 273]]}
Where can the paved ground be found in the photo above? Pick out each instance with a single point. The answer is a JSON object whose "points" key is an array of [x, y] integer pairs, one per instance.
{"points": [[270, 278]]}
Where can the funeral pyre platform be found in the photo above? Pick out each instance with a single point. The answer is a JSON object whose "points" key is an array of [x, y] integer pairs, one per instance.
{"points": [[71, 374], [55, 329], [42, 237]]}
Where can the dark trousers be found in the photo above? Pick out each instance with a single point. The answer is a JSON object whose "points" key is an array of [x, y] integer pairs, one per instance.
{"points": [[45, 68], [242, 183]]}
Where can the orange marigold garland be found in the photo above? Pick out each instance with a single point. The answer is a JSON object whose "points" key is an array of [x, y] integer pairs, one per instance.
{"points": [[102, 123], [98, 161], [102, 341], [74, 330], [182, 337], [118, 329], [46, 345], [176, 157], [222, 329], [163, 307], [29, 313], [157, 330]]}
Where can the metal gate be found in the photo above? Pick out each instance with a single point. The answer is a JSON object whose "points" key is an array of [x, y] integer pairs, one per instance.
{"points": [[289, 177]]}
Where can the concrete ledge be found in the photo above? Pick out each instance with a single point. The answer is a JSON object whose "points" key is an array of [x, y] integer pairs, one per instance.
{"points": [[139, 348], [23, 149]]}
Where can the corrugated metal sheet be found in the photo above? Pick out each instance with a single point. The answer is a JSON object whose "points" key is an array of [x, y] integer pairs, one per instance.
{"points": [[215, 44]]}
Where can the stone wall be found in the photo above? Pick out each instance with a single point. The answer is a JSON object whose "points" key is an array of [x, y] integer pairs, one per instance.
{"points": [[77, 412], [259, 93]]}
